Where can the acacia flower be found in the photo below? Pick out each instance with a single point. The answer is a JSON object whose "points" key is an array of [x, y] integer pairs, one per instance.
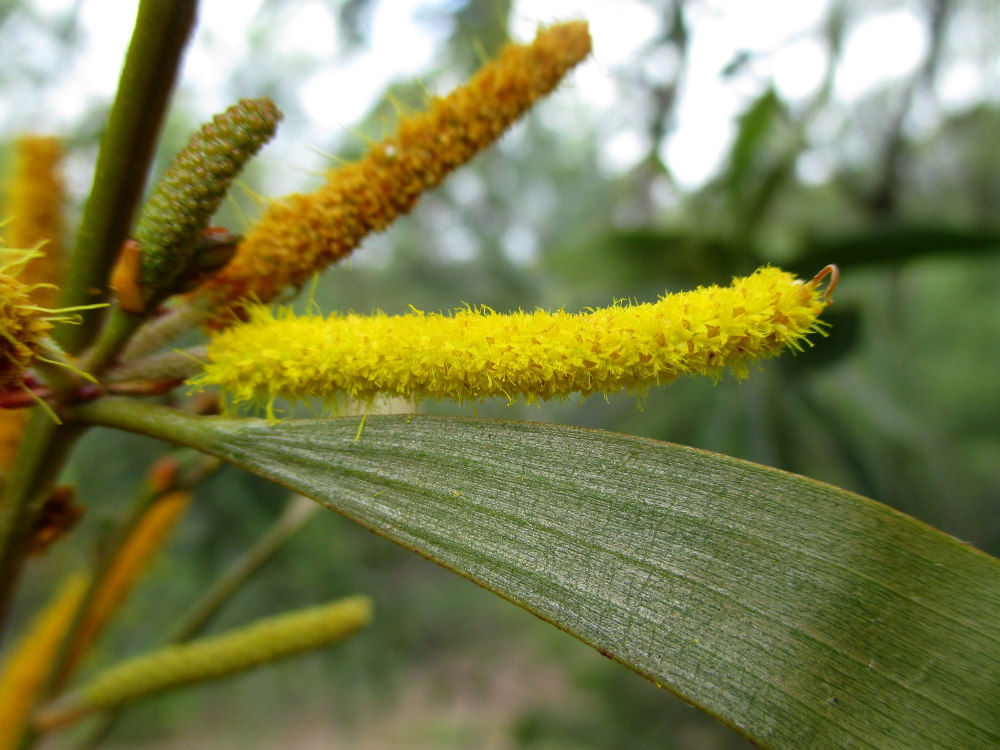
{"points": [[33, 202], [23, 675], [303, 233], [477, 353], [23, 325]]}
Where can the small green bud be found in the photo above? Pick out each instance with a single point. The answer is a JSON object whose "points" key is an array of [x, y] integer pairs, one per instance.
{"points": [[170, 229]]}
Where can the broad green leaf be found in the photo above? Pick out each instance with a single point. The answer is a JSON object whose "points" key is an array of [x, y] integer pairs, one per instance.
{"points": [[798, 613]]}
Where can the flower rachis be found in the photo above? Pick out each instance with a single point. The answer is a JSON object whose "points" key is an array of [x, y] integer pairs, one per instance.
{"points": [[475, 354]]}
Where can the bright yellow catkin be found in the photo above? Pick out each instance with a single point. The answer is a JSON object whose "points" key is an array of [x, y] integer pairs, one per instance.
{"points": [[264, 641], [477, 353], [33, 205], [134, 557], [23, 324], [303, 233], [33, 208], [26, 668]]}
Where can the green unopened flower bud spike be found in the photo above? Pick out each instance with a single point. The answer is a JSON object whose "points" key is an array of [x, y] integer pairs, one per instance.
{"points": [[212, 658], [170, 235], [302, 234], [174, 249]]}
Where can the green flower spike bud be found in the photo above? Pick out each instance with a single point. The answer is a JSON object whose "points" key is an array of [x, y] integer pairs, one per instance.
{"points": [[165, 256], [211, 658]]}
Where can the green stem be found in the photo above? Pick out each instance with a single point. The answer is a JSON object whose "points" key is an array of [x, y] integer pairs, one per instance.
{"points": [[186, 314], [44, 449], [114, 335], [156, 421], [297, 512], [162, 30]]}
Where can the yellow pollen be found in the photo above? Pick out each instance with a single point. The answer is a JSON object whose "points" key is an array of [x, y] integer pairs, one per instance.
{"points": [[22, 324], [474, 354], [303, 233]]}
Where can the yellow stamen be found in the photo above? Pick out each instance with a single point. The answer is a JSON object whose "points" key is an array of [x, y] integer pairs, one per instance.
{"points": [[22, 328], [303, 233], [34, 204], [476, 353]]}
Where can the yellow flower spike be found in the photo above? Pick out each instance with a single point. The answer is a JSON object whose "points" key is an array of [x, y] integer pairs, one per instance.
{"points": [[476, 353], [33, 205], [26, 669], [262, 642], [134, 557], [303, 233], [23, 324]]}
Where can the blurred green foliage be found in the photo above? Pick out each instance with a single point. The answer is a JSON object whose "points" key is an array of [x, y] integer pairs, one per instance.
{"points": [[897, 404]]}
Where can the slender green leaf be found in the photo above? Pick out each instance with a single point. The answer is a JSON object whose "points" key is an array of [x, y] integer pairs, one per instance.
{"points": [[800, 614], [755, 126], [896, 244]]}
